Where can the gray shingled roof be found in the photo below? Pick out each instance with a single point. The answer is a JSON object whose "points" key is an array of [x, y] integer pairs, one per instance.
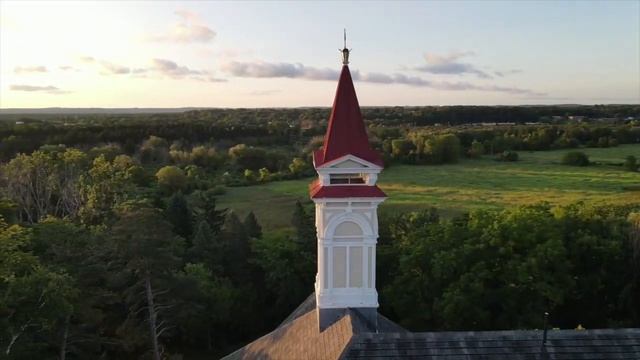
{"points": [[561, 344], [353, 337]]}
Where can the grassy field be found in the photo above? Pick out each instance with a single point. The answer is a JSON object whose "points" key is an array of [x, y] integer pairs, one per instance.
{"points": [[470, 184]]}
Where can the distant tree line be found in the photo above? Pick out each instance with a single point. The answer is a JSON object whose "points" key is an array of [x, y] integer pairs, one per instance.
{"points": [[257, 145], [439, 146]]}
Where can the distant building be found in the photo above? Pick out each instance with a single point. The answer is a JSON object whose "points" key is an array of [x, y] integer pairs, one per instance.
{"points": [[340, 319]]}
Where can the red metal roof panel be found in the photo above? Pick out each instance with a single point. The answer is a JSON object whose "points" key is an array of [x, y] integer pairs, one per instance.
{"points": [[346, 133]]}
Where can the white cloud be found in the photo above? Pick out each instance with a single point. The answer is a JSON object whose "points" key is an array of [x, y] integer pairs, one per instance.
{"points": [[450, 64], [264, 92], [106, 67], [67, 68], [190, 29], [33, 88], [273, 70], [29, 69], [170, 68], [111, 68], [157, 68], [263, 69], [507, 72]]}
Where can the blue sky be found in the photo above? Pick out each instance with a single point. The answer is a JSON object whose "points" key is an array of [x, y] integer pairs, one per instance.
{"points": [[278, 54]]}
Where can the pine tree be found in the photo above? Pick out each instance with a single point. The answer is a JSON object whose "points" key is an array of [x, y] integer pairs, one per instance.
{"points": [[148, 250], [206, 210], [239, 248], [207, 248], [305, 229], [179, 214], [252, 227]]}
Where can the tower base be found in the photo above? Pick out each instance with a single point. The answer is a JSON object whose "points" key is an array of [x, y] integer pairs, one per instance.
{"points": [[327, 317]]}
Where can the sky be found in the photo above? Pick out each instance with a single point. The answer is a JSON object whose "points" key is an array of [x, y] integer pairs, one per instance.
{"points": [[285, 54]]}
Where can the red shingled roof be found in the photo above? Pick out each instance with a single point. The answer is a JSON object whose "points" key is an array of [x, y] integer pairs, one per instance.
{"points": [[318, 191], [346, 133]]}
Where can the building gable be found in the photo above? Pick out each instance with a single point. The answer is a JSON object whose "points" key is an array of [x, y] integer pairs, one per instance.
{"points": [[349, 164]]}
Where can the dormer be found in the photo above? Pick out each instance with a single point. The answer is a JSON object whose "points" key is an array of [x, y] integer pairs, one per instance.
{"points": [[348, 170]]}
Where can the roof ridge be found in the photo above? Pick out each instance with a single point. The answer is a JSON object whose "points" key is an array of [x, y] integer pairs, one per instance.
{"points": [[359, 319]]}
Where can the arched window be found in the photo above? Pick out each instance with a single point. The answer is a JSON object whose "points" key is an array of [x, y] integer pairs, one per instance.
{"points": [[348, 268], [348, 229]]}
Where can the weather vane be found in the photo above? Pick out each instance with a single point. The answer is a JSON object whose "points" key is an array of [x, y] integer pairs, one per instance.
{"points": [[345, 52]]}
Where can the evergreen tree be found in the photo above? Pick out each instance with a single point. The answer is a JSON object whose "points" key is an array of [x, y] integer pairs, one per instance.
{"points": [[179, 214], [306, 242], [67, 247], [149, 253], [204, 308], [303, 224], [238, 246], [207, 249], [206, 210], [252, 227]]}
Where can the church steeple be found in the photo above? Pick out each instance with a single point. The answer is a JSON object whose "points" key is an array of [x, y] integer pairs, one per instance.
{"points": [[346, 198]]}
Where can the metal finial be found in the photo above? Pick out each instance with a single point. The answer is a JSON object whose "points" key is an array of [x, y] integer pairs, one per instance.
{"points": [[345, 52], [345, 38]]}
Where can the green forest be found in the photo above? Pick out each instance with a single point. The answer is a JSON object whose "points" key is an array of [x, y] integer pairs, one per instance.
{"points": [[146, 236]]}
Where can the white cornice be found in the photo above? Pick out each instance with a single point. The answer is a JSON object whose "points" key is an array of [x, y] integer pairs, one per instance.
{"points": [[369, 165]]}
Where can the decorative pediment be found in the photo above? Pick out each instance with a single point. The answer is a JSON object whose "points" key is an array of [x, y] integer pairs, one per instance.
{"points": [[350, 162]]}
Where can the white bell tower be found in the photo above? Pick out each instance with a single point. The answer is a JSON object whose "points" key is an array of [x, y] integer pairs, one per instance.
{"points": [[346, 199]]}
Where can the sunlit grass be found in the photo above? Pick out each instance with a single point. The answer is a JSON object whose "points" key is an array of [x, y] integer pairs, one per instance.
{"points": [[470, 184]]}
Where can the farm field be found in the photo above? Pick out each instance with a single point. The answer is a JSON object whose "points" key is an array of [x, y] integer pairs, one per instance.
{"points": [[470, 184]]}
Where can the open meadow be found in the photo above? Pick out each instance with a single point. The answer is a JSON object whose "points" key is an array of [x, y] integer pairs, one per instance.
{"points": [[469, 184]]}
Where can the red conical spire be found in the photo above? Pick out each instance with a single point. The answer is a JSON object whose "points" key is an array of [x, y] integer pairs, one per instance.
{"points": [[346, 133]]}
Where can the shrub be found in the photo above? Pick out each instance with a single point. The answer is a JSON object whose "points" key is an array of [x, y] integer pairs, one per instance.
{"points": [[218, 190], [401, 148], [264, 175], [477, 150], [443, 149], [154, 150], [631, 163], [575, 158], [508, 156], [110, 151], [603, 142], [249, 175], [246, 157], [299, 167], [171, 179], [205, 157]]}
